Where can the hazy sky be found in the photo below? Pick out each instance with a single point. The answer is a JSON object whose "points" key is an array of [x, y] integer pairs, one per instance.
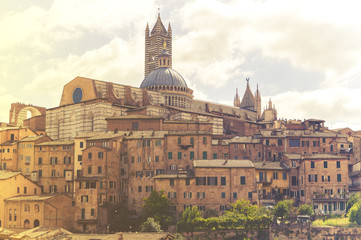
{"points": [[305, 55]]}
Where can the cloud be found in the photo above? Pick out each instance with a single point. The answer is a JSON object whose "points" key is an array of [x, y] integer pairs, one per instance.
{"points": [[338, 106]]}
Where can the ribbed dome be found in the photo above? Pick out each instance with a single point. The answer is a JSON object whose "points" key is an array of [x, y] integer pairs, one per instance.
{"points": [[163, 77]]}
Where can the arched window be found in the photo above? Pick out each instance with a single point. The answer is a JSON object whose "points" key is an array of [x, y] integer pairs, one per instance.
{"points": [[27, 208], [36, 223], [26, 223]]}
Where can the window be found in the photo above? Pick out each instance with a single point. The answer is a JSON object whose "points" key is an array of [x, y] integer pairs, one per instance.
{"points": [[338, 177], [187, 182], [81, 144], [201, 181], [179, 155], [331, 148], [158, 142], [234, 195], [222, 208], [100, 155], [192, 141], [215, 156], [92, 212], [294, 180], [170, 155], [205, 155], [267, 142], [80, 158], [90, 155], [18, 190], [280, 142], [294, 142], [40, 161], [25, 190], [294, 164], [338, 164], [223, 181], [312, 164], [201, 195], [191, 155], [138, 174], [99, 169], [179, 140], [139, 188], [212, 181], [187, 194], [223, 195], [323, 140], [10, 218], [148, 188], [243, 180], [324, 164], [84, 198], [135, 126], [275, 175], [204, 140], [139, 159], [53, 173], [249, 194], [284, 176], [201, 208], [40, 173], [171, 182], [312, 178], [89, 169], [156, 158]]}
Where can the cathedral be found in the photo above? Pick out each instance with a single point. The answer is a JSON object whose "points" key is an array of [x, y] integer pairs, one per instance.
{"points": [[86, 103]]}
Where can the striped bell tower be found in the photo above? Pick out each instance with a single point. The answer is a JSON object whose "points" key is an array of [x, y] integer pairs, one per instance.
{"points": [[156, 41]]}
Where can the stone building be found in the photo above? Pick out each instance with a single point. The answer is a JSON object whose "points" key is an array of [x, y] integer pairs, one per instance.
{"points": [[14, 184], [53, 169], [39, 210], [213, 184]]}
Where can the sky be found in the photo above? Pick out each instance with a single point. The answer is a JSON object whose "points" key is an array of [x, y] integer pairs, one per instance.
{"points": [[305, 55]]}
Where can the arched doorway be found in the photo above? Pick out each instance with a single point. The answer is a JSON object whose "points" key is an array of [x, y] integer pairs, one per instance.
{"points": [[36, 223], [26, 223]]}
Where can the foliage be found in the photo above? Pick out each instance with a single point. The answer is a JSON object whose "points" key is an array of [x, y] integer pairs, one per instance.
{"points": [[186, 221], [334, 222], [306, 209], [353, 199], [150, 226], [157, 206], [355, 213], [119, 218], [283, 209]]}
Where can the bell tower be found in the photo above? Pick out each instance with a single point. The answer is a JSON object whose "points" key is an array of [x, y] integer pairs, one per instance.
{"points": [[156, 41]]}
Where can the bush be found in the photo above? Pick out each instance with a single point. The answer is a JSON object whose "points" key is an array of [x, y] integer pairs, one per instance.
{"points": [[306, 209], [150, 226]]}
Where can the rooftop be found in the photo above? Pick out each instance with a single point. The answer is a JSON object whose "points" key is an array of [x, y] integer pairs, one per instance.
{"points": [[56, 143], [222, 163], [270, 165], [4, 174], [30, 198]]}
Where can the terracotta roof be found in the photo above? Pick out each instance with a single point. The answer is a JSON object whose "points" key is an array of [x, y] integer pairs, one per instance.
{"points": [[292, 156], [222, 163], [31, 138], [138, 116], [4, 174], [323, 156], [30, 198], [56, 143], [88, 134], [270, 165]]}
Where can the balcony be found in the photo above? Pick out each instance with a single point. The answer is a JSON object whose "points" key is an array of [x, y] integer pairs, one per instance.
{"points": [[264, 181], [330, 196]]}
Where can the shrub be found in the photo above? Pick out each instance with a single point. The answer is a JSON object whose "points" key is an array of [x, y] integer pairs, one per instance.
{"points": [[150, 226]]}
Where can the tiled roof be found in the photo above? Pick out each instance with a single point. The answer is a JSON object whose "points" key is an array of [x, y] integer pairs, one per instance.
{"points": [[323, 156], [270, 165], [222, 163], [292, 156], [87, 134], [30, 198], [138, 116], [56, 143], [31, 138], [4, 174]]}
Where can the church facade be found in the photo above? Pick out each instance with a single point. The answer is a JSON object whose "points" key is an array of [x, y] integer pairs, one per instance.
{"points": [[86, 103]]}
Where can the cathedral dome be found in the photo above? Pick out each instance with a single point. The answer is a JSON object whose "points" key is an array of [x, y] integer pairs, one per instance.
{"points": [[163, 76]]}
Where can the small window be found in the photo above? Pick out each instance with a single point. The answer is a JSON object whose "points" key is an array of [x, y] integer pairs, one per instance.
{"points": [[223, 195], [249, 194], [338, 164], [81, 144], [100, 155], [284, 176], [191, 155], [234, 195], [338, 177], [179, 140], [215, 156], [205, 155], [243, 180], [192, 141], [179, 155], [325, 164], [170, 155], [90, 155], [204, 140], [187, 182], [171, 182], [312, 164], [223, 181], [156, 159]]}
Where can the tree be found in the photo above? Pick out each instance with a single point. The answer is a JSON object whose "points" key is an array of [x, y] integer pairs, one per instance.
{"points": [[355, 213], [353, 199], [306, 209], [157, 206], [186, 222], [283, 209], [150, 226]]}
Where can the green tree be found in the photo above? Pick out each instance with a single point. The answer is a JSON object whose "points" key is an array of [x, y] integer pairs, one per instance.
{"points": [[355, 213], [353, 199], [150, 226], [306, 209], [283, 209], [186, 222], [157, 206]]}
